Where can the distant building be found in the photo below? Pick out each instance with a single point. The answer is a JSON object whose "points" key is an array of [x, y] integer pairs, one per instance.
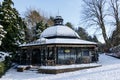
{"points": [[58, 45]]}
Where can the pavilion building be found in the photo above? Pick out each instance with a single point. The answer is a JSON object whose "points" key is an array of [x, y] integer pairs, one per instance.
{"points": [[58, 45]]}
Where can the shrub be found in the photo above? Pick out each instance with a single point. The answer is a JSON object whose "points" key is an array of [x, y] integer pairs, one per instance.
{"points": [[2, 68]]}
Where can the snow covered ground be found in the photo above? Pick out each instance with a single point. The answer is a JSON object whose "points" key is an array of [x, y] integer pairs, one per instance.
{"points": [[110, 70], [70, 66]]}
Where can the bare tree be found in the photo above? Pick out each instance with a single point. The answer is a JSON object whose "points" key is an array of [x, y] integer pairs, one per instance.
{"points": [[94, 14], [32, 17], [36, 23], [114, 4]]}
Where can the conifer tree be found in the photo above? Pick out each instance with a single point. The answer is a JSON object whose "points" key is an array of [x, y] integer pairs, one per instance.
{"points": [[13, 25]]}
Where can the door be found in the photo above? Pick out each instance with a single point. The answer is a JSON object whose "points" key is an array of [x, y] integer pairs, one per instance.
{"points": [[36, 57]]}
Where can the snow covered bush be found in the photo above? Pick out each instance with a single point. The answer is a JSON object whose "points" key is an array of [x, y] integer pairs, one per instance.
{"points": [[115, 51]]}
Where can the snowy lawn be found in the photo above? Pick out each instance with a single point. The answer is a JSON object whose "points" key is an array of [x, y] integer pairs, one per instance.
{"points": [[109, 70]]}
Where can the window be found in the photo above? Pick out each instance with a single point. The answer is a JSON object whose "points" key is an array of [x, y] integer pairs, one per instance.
{"points": [[50, 55], [86, 53], [66, 55], [61, 55]]}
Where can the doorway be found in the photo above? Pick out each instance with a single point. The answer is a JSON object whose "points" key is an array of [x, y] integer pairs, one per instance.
{"points": [[36, 57]]}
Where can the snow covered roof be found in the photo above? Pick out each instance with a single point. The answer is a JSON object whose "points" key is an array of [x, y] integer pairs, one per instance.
{"points": [[68, 41], [59, 31], [58, 34], [59, 41]]}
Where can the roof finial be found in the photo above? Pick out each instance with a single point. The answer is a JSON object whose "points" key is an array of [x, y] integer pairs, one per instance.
{"points": [[58, 13], [58, 19]]}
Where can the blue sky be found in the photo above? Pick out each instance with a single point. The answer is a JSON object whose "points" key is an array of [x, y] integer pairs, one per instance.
{"points": [[68, 9]]}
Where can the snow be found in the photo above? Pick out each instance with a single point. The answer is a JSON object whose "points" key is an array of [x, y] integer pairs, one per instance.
{"points": [[68, 41], [59, 41], [1, 26], [0, 42], [1, 35], [3, 55], [59, 30], [70, 66], [109, 70]]}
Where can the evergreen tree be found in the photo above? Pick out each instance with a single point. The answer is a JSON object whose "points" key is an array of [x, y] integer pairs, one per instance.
{"points": [[38, 29], [13, 24], [95, 39], [85, 36], [69, 25], [82, 33]]}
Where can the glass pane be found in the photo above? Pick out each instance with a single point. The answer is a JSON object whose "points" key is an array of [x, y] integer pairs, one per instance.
{"points": [[78, 60], [66, 55], [50, 55], [70, 56], [60, 55]]}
